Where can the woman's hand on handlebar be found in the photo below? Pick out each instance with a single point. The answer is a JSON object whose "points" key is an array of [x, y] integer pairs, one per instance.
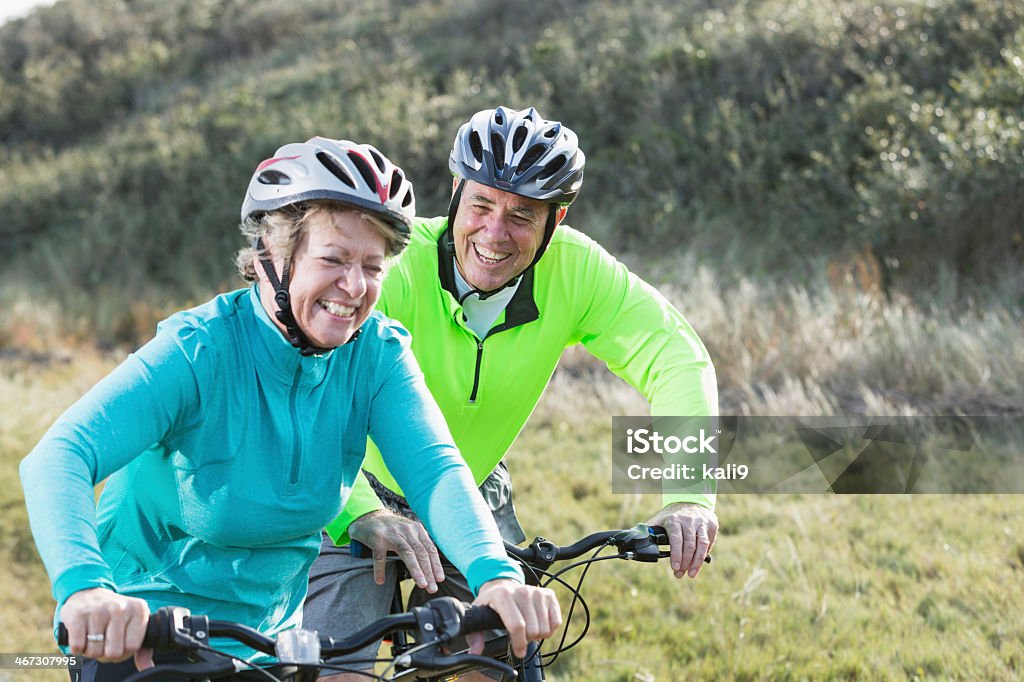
{"points": [[383, 531], [107, 626], [529, 613]]}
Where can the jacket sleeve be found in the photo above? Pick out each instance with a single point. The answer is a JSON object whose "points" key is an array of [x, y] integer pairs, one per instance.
{"points": [[361, 500], [646, 341], [151, 393], [418, 450]]}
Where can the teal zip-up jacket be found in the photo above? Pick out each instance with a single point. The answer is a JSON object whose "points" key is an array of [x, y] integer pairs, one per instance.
{"points": [[227, 452], [487, 388]]}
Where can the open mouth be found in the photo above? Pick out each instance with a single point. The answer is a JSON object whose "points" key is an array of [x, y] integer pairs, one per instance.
{"points": [[489, 257], [337, 309]]}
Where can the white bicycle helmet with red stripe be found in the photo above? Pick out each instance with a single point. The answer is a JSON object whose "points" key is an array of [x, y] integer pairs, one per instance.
{"points": [[321, 168]]}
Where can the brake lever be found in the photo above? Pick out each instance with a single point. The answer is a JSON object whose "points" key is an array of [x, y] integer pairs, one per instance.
{"points": [[433, 661], [442, 619], [207, 665], [638, 541]]}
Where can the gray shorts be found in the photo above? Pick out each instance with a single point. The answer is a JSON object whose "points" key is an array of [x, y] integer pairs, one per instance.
{"points": [[343, 597]]}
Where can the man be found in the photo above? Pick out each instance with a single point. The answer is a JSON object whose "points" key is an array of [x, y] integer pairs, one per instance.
{"points": [[492, 295]]}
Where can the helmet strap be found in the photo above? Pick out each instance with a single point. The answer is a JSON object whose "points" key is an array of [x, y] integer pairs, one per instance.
{"points": [[284, 313], [453, 207], [549, 232]]}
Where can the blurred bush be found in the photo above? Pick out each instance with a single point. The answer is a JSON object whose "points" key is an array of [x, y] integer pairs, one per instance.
{"points": [[769, 135]]}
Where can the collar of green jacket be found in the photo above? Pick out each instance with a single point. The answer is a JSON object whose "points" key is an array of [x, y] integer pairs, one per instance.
{"points": [[522, 309]]}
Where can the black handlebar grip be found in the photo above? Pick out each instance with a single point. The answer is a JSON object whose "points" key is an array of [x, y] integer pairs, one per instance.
{"points": [[480, 618], [150, 640]]}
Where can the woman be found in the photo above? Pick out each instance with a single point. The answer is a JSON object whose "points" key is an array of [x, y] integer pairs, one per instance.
{"points": [[228, 437]]}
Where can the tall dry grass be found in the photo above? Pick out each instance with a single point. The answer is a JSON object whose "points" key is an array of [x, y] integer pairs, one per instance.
{"points": [[805, 587], [831, 342]]}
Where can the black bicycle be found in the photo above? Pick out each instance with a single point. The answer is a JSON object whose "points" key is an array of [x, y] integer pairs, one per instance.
{"points": [[641, 543], [419, 636], [300, 655]]}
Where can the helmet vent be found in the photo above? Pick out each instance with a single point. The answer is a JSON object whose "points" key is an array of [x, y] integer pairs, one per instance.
{"points": [[551, 132], [330, 164], [552, 167], [273, 177], [364, 169], [498, 149], [377, 159], [396, 183], [518, 138], [498, 118], [476, 147], [407, 201], [530, 157]]}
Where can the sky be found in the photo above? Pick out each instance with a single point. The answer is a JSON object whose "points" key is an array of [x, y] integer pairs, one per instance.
{"points": [[12, 9]]}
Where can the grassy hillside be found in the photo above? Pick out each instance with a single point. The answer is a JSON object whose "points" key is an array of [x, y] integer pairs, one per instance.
{"points": [[802, 588], [769, 136], [832, 191]]}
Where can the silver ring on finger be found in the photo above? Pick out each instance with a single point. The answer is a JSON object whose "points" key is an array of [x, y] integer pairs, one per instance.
{"points": [[97, 637]]}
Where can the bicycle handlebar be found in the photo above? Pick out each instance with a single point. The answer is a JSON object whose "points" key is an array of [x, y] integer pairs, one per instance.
{"points": [[438, 621], [639, 543], [640, 540]]}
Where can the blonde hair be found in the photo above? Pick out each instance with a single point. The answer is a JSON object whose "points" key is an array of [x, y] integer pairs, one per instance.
{"points": [[282, 229]]}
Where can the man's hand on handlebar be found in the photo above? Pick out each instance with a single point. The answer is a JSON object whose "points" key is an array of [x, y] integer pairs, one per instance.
{"points": [[382, 531], [107, 626], [529, 613], [691, 530]]}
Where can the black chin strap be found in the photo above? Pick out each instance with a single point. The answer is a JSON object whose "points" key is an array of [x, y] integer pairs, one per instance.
{"points": [[549, 232], [284, 313], [453, 207]]}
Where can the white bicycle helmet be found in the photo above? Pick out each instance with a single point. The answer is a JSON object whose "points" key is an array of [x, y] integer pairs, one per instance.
{"points": [[321, 168], [519, 152]]}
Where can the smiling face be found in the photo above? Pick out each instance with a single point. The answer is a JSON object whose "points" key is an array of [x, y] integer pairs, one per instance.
{"points": [[336, 273], [497, 234]]}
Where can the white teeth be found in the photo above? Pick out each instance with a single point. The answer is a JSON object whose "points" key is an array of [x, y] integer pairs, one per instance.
{"points": [[339, 310], [489, 256]]}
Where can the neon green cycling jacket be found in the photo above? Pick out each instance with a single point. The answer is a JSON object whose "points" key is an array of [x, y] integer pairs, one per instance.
{"points": [[487, 388]]}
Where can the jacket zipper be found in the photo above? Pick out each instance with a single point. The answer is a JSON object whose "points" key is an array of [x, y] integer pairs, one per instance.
{"points": [[293, 475], [476, 373]]}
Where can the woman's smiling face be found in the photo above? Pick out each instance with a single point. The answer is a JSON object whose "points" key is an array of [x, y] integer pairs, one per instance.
{"points": [[336, 274]]}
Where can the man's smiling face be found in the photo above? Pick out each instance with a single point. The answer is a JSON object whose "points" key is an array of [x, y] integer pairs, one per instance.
{"points": [[497, 234]]}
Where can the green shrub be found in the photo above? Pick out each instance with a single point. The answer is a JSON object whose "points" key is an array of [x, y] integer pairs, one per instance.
{"points": [[769, 136]]}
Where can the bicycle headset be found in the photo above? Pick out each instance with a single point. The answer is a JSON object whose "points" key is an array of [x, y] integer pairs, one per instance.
{"points": [[354, 174]]}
